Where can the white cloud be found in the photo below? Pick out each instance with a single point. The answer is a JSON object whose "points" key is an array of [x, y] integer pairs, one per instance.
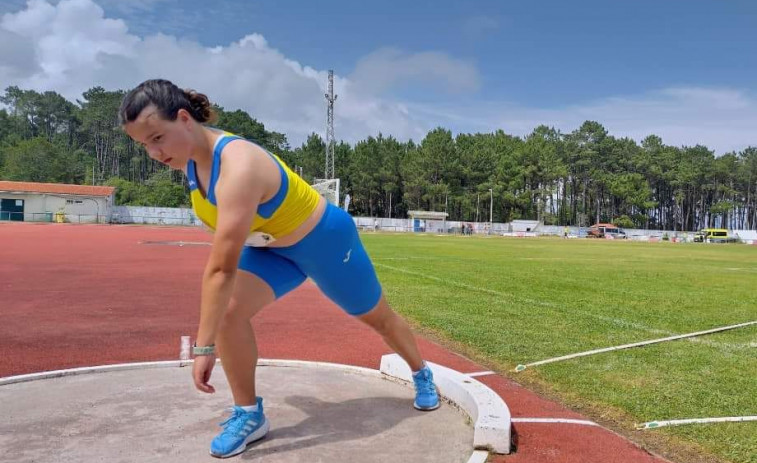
{"points": [[16, 56], [388, 67], [71, 46], [68, 42], [75, 47]]}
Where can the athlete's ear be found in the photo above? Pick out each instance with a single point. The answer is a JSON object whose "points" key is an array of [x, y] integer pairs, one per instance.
{"points": [[183, 116]]}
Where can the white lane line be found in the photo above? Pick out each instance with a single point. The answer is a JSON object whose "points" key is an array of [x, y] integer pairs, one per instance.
{"points": [[480, 373], [555, 421]]}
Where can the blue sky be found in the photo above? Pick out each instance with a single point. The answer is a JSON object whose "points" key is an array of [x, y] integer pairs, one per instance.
{"points": [[480, 65], [534, 52]]}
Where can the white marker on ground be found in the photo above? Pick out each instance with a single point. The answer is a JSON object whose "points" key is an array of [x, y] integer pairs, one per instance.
{"points": [[522, 367], [726, 419]]}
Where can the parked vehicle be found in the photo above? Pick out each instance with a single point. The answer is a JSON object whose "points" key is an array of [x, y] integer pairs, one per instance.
{"points": [[606, 230], [713, 235]]}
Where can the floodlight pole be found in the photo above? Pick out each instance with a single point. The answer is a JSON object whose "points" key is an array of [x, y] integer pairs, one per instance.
{"points": [[330, 140], [491, 210], [478, 198]]}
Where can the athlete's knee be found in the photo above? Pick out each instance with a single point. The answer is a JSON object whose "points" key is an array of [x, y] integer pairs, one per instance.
{"points": [[239, 310], [381, 318]]}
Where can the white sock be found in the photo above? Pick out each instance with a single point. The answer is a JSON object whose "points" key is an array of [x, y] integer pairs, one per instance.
{"points": [[250, 408], [415, 373]]}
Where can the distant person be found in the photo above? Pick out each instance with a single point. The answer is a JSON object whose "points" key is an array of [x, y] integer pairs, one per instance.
{"points": [[565, 232], [272, 231]]}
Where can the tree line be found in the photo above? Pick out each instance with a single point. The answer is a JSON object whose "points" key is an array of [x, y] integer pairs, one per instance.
{"points": [[575, 178]]}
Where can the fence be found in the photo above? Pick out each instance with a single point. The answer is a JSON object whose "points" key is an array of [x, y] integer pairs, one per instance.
{"points": [[154, 215], [186, 217], [117, 215], [430, 226], [58, 217], [507, 229]]}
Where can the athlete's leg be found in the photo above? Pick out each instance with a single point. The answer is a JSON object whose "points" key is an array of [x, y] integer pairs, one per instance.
{"points": [[239, 357], [262, 277], [395, 331], [236, 339], [397, 334], [334, 257]]}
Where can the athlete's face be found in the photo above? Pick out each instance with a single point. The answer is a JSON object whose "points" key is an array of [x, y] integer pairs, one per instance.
{"points": [[169, 142]]}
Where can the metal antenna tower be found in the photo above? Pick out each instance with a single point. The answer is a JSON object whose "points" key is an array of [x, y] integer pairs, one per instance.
{"points": [[330, 98]]}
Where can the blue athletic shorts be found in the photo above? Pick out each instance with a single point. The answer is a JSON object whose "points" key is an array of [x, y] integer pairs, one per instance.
{"points": [[331, 255]]}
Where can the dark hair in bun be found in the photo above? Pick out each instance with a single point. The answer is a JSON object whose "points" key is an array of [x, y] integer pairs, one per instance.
{"points": [[168, 99]]}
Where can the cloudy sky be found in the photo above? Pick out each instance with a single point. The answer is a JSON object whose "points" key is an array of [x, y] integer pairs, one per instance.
{"points": [[682, 69]]}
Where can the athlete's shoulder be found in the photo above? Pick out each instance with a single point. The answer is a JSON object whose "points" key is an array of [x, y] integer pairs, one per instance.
{"points": [[230, 138], [252, 164]]}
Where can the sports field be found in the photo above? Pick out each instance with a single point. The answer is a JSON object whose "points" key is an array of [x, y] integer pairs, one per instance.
{"points": [[515, 301]]}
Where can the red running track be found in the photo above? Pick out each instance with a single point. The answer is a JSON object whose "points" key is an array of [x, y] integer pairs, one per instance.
{"points": [[82, 295]]}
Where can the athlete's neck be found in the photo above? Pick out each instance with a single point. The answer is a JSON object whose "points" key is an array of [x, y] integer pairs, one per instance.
{"points": [[202, 154]]}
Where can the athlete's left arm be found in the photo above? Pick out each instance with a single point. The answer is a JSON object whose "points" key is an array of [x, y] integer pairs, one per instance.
{"points": [[240, 188]]}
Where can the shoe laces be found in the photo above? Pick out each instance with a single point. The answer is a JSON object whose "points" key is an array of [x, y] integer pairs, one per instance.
{"points": [[234, 424], [423, 382]]}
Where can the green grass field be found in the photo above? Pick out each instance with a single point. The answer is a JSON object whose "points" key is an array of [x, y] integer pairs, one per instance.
{"points": [[512, 301]]}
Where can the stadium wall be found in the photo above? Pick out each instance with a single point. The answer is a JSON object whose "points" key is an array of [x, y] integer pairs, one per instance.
{"points": [[185, 216]]}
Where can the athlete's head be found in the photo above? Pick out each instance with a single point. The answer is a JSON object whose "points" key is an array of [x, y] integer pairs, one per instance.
{"points": [[165, 119]]}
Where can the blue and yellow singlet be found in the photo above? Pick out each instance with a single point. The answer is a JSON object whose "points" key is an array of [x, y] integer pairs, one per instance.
{"points": [[289, 208]]}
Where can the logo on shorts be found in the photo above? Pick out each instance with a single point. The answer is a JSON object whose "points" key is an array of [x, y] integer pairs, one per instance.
{"points": [[347, 257]]}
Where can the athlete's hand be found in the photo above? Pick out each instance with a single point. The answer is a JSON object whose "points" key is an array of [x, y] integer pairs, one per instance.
{"points": [[201, 370]]}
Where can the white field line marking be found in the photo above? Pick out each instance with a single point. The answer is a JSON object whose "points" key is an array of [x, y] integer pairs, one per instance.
{"points": [[554, 421], [555, 307], [520, 368], [479, 373], [660, 424]]}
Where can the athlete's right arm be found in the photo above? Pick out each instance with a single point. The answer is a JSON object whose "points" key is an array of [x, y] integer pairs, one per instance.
{"points": [[239, 189]]}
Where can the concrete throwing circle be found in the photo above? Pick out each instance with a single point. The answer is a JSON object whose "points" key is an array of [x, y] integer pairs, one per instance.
{"points": [[156, 415]]}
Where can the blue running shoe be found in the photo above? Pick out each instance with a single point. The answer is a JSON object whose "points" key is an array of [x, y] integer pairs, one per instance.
{"points": [[426, 395], [239, 430]]}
